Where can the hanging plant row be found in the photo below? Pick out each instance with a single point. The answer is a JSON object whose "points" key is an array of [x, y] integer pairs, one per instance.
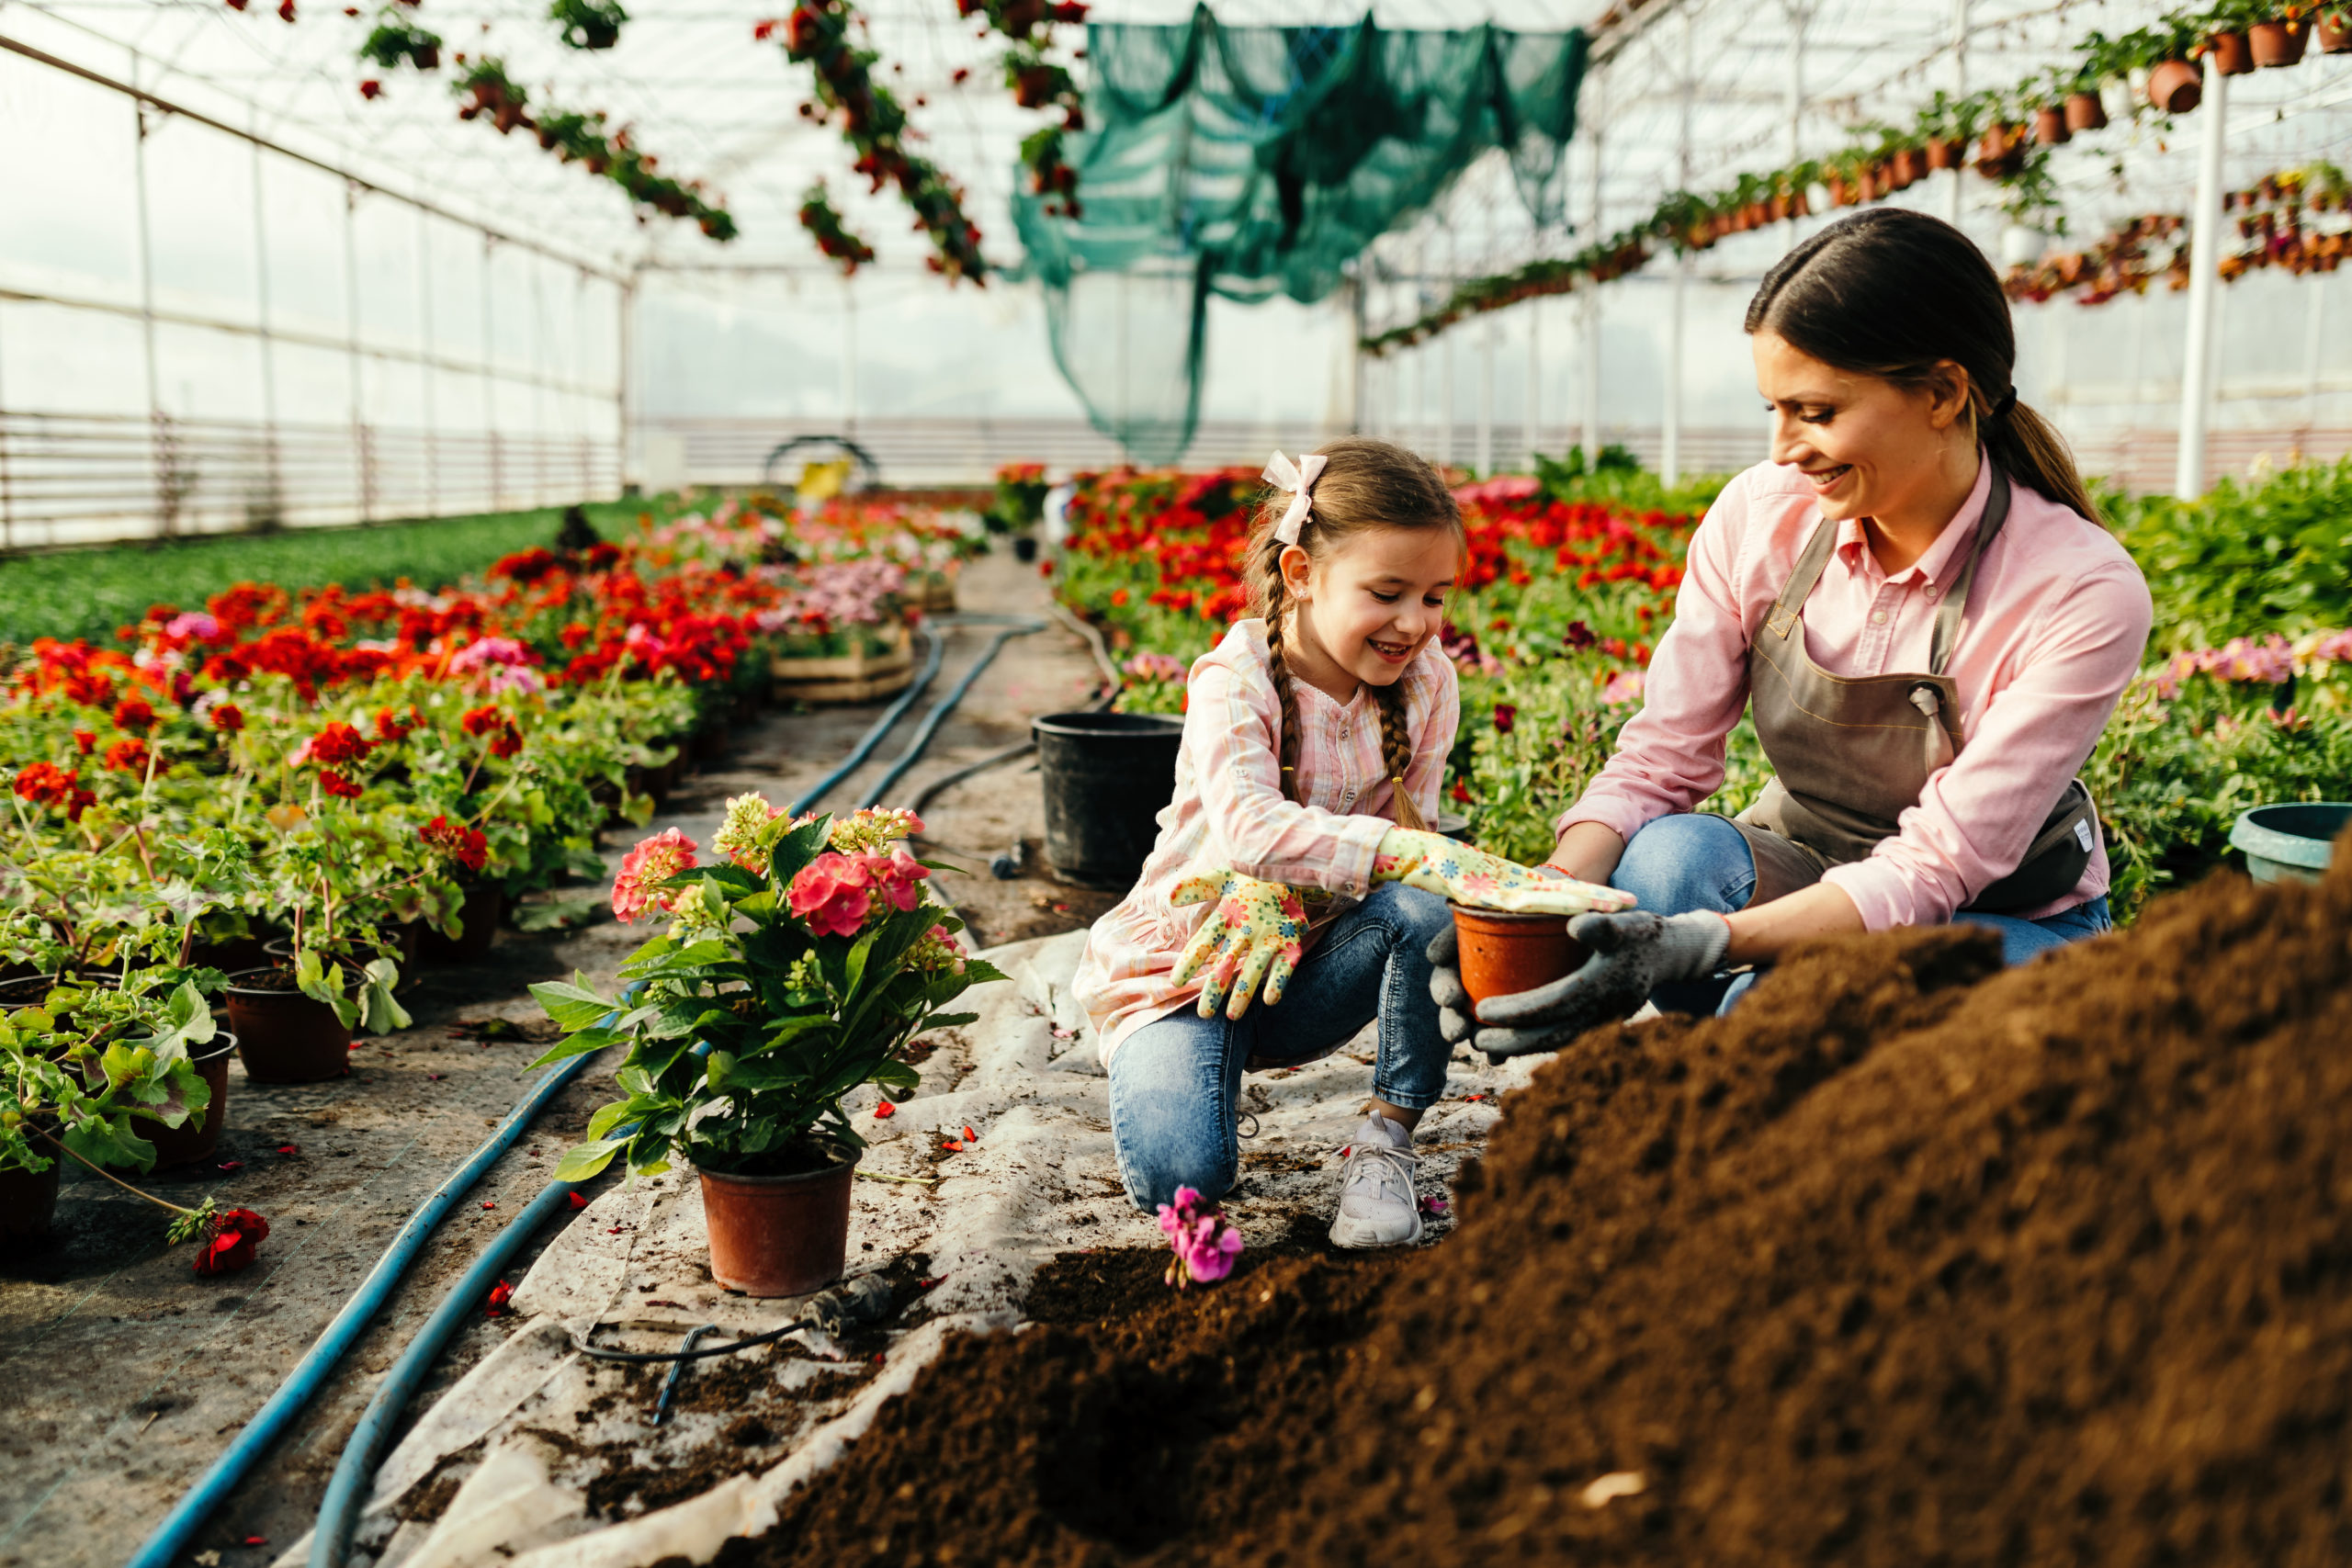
{"points": [[2280, 216], [832, 236], [875, 124], [1038, 82], [2005, 134]]}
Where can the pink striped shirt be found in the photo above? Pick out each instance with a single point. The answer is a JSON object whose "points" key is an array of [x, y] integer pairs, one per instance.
{"points": [[2058, 621], [1230, 812]]}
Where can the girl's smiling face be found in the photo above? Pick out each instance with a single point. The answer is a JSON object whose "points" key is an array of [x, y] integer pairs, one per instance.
{"points": [[1369, 605]]}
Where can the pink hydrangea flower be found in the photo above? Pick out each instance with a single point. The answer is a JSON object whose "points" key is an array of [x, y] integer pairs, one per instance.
{"points": [[832, 893], [1204, 1244], [655, 859]]}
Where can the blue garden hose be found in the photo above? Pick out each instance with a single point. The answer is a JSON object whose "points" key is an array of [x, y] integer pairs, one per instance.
{"points": [[163, 1546], [932, 720]]}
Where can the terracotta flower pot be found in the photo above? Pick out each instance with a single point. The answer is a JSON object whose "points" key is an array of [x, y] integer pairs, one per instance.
{"points": [[1911, 166], [2051, 128], [2001, 151], [284, 1036], [2334, 38], [1503, 953], [198, 1136], [2280, 43], [2085, 111], [2232, 53], [1943, 152], [485, 907], [28, 1201], [779, 1235], [2175, 86]]}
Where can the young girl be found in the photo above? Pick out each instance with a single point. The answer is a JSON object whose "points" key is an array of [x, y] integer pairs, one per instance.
{"points": [[1313, 748]]}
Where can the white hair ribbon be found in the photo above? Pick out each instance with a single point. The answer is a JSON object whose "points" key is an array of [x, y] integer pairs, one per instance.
{"points": [[1299, 480]]}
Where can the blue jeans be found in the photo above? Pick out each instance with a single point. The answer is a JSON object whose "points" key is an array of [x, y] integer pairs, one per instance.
{"points": [[1176, 1082], [1690, 861]]}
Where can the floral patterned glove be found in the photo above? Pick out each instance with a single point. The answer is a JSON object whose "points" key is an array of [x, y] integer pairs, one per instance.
{"points": [[1435, 863], [1256, 933]]}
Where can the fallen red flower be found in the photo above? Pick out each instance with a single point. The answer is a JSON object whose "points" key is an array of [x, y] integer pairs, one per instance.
{"points": [[289, 1148], [885, 1111], [579, 1201], [970, 1136], [230, 1240], [500, 1294]]}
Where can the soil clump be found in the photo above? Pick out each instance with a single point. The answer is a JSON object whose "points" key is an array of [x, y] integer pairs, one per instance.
{"points": [[1910, 1261]]}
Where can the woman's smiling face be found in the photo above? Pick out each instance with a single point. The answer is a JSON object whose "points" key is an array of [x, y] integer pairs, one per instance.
{"points": [[1375, 599], [1869, 446]]}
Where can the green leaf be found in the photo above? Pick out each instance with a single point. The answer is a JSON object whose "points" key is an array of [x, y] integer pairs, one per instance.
{"points": [[578, 1045], [573, 1007], [895, 1074], [716, 1066], [949, 1020], [585, 1160]]}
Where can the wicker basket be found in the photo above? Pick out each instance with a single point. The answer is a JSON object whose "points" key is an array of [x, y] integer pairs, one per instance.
{"points": [[846, 678], [933, 595]]}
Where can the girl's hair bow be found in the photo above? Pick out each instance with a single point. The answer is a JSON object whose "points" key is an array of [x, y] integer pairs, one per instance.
{"points": [[1299, 480]]}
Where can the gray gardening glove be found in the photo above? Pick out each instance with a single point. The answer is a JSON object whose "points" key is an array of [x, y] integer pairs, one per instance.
{"points": [[1632, 954]]}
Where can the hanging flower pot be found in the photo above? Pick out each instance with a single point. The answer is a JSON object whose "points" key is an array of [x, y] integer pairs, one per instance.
{"points": [[2232, 55], [1779, 207], [1943, 152], [2279, 43], [2085, 111], [2175, 86], [284, 1036], [2050, 126], [1841, 193], [2002, 151], [2334, 37], [1911, 166]]}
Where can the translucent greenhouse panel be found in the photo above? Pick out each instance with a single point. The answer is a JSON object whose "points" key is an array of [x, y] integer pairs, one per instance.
{"points": [[57, 238], [302, 216], [201, 222]]}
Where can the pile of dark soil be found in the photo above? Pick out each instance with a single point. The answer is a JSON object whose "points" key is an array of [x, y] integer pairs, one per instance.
{"points": [[1908, 1262]]}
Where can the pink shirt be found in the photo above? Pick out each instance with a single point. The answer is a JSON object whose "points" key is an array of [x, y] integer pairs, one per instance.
{"points": [[2057, 623], [1230, 812]]}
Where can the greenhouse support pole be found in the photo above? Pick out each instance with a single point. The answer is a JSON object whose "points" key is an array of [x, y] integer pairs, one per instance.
{"points": [[167, 507], [622, 409], [2204, 269], [1799, 13], [849, 356], [273, 492], [1533, 432], [2311, 363], [1487, 399], [1445, 369], [365, 474], [490, 383], [1592, 311], [430, 371], [1959, 90], [1669, 462]]}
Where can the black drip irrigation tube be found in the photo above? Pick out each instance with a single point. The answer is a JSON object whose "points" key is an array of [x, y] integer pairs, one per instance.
{"points": [[338, 1511]]}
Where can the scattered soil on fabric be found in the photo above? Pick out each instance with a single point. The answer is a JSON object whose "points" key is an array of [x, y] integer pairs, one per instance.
{"points": [[1910, 1261]]}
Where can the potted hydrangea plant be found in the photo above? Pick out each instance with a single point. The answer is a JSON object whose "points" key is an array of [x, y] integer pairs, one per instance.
{"points": [[794, 971]]}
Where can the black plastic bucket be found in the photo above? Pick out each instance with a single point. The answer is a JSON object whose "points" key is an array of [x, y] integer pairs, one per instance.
{"points": [[1107, 776]]}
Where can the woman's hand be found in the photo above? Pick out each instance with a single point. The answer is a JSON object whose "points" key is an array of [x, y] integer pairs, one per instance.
{"points": [[1632, 955], [1435, 863], [1255, 934]]}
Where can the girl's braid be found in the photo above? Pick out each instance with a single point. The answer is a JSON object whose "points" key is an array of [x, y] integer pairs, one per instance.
{"points": [[1396, 753], [1275, 593]]}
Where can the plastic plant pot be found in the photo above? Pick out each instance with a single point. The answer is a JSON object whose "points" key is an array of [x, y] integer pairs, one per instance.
{"points": [[2290, 843], [284, 1036], [28, 1201], [778, 1236], [1502, 954], [194, 1139], [485, 907], [1107, 776]]}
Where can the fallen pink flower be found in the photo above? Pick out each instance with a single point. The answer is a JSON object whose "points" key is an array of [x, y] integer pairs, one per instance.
{"points": [[1204, 1242]]}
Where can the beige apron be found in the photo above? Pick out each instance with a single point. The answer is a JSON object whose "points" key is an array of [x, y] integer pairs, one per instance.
{"points": [[1849, 755]]}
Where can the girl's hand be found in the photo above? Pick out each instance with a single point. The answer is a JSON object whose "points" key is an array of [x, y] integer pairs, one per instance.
{"points": [[1435, 863], [1255, 933]]}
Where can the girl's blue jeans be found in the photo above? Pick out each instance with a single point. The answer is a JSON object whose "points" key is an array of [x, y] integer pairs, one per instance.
{"points": [[1691, 861], [1176, 1082]]}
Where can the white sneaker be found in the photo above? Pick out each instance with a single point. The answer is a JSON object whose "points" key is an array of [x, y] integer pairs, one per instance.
{"points": [[1378, 1205]]}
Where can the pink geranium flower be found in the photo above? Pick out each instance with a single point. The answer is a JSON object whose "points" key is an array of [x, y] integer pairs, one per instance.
{"points": [[1204, 1244], [656, 859]]}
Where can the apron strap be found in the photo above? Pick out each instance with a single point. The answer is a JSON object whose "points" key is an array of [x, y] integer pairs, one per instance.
{"points": [[1801, 577], [1955, 605]]}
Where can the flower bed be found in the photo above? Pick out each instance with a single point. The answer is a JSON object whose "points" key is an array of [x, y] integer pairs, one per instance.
{"points": [[335, 769], [1571, 580]]}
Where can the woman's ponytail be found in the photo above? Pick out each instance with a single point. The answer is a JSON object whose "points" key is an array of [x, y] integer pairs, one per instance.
{"points": [[2030, 451]]}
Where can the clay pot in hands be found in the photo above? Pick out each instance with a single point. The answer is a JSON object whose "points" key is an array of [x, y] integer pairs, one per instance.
{"points": [[1502, 954]]}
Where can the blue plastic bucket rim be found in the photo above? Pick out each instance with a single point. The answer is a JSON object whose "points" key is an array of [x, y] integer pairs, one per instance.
{"points": [[2284, 832]]}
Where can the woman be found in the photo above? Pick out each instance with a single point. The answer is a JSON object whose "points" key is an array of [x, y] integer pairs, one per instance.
{"points": [[1916, 601]]}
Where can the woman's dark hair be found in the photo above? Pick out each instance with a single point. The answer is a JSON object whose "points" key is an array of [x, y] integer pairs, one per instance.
{"points": [[1889, 293]]}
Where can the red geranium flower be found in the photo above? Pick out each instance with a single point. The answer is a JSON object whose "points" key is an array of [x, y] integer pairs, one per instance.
{"points": [[391, 727], [86, 740], [465, 845], [335, 785], [126, 757], [500, 1294], [1506, 715], [228, 718], [133, 712], [337, 745], [230, 1240], [46, 783]]}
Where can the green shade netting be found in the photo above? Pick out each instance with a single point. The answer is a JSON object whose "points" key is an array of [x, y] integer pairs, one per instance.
{"points": [[1248, 162]]}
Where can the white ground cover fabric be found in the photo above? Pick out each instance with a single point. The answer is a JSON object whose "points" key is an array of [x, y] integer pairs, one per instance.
{"points": [[532, 1427]]}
